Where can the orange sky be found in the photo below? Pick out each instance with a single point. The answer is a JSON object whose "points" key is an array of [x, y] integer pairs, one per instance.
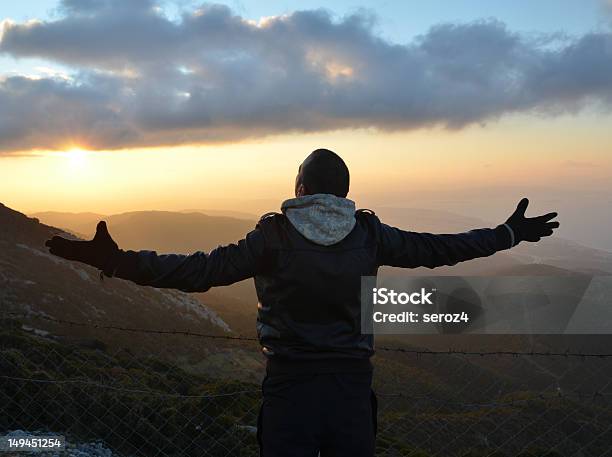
{"points": [[568, 151]]}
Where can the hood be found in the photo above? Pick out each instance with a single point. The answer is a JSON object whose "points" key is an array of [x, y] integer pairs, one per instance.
{"points": [[322, 218]]}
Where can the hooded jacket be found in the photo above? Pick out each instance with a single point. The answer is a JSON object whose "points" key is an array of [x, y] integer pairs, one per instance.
{"points": [[307, 263]]}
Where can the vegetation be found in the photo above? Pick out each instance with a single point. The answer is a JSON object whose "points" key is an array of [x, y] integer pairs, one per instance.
{"points": [[138, 406], [147, 405]]}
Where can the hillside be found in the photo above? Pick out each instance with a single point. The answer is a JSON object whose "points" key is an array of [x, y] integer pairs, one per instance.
{"points": [[36, 283]]}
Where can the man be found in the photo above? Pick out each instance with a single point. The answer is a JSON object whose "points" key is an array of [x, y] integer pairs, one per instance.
{"points": [[307, 263]]}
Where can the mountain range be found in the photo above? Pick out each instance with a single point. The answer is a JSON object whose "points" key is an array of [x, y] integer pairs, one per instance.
{"points": [[186, 232], [189, 231]]}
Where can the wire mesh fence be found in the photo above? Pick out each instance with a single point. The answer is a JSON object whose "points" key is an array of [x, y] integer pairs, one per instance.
{"points": [[136, 401]]}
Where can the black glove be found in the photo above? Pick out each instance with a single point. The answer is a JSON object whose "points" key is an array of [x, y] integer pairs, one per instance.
{"points": [[530, 228], [98, 252]]}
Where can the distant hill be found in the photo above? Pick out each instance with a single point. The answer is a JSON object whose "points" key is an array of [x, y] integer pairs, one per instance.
{"points": [[85, 222], [164, 231], [226, 213], [428, 220], [176, 232], [82, 223], [565, 254], [553, 251]]}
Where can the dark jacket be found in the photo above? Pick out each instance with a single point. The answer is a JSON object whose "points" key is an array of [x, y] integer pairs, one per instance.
{"points": [[309, 293]]}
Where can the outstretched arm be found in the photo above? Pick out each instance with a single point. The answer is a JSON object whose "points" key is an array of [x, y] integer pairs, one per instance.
{"points": [[401, 248], [197, 272]]}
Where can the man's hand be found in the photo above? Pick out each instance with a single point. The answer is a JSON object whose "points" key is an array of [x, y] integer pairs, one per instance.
{"points": [[97, 252], [530, 228]]}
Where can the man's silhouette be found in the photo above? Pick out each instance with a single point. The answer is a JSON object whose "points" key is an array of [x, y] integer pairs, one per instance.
{"points": [[307, 263]]}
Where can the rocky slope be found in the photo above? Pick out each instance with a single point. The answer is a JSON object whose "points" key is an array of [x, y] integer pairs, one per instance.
{"points": [[36, 283]]}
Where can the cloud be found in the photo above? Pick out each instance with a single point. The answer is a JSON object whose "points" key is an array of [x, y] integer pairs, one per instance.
{"points": [[142, 79]]}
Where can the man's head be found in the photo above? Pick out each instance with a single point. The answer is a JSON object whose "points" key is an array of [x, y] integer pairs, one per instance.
{"points": [[323, 172]]}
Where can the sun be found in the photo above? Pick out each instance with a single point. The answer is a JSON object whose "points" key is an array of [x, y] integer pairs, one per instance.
{"points": [[77, 157]]}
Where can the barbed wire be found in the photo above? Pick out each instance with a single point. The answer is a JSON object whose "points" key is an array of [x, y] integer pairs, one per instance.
{"points": [[419, 352]]}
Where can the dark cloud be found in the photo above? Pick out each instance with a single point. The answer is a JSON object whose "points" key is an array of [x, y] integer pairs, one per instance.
{"points": [[142, 79]]}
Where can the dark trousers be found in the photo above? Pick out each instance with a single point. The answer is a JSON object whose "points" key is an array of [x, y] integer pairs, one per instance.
{"points": [[304, 415]]}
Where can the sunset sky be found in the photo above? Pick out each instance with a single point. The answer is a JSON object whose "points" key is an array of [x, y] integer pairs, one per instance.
{"points": [[112, 105]]}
